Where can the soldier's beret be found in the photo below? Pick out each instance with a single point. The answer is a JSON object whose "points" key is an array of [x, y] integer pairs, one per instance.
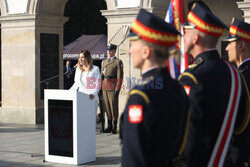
{"points": [[152, 28], [204, 20], [238, 30]]}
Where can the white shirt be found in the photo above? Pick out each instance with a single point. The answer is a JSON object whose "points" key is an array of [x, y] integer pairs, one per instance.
{"points": [[88, 82], [112, 57]]}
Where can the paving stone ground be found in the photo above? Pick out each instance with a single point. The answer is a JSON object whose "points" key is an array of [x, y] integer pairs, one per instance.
{"points": [[23, 146]]}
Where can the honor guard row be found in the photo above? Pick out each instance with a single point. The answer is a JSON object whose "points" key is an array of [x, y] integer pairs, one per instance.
{"points": [[215, 91], [158, 126]]}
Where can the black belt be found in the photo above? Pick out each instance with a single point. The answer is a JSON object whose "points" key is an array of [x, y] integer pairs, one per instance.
{"points": [[110, 77]]}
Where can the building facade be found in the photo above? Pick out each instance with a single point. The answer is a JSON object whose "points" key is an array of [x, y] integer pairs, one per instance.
{"points": [[32, 47]]}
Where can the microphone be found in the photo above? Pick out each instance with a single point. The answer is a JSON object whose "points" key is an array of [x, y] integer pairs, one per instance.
{"points": [[65, 73], [72, 69]]}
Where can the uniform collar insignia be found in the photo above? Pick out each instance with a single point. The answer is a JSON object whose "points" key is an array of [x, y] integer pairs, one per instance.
{"points": [[196, 63], [147, 80], [149, 73]]}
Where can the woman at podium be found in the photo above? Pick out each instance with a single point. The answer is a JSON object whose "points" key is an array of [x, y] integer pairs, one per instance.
{"points": [[87, 76]]}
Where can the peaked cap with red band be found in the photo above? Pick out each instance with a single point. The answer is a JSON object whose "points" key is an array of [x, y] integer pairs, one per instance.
{"points": [[153, 29], [239, 30], [205, 21]]}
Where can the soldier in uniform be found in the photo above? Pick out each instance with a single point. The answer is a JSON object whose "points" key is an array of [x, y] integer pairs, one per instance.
{"points": [[153, 124], [239, 47], [112, 75], [238, 50], [208, 83]]}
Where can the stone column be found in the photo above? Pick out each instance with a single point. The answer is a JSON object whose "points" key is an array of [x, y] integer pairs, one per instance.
{"points": [[21, 48], [245, 7], [117, 21]]}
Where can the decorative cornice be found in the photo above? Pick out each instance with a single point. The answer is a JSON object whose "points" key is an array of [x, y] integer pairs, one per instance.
{"points": [[15, 17], [120, 12], [32, 20], [129, 13], [244, 5]]}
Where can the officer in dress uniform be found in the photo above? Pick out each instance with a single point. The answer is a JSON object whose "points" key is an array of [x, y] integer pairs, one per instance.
{"points": [[112, 75], [238, 50], [239, 47], [208, 85], [153, 124]]}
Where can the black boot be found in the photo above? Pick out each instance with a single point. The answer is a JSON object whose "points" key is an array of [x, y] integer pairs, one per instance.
{"points": [[102, 125], [114, 129], [109, 128]]}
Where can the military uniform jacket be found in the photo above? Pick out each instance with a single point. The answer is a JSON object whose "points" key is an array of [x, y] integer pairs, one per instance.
{"points": [[112, 74], [244, 68], [240, 152], [207, 82], [154, 121]]}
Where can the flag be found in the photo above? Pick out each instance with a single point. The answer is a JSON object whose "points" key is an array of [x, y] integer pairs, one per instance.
{"points": [[176, 16], [173, 67]]}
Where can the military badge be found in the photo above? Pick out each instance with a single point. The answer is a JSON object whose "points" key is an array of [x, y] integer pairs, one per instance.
{"points": [[135, 114], [187, 89]]}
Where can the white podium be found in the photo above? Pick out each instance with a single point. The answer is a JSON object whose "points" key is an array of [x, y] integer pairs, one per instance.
{"points": [[70, 124]]}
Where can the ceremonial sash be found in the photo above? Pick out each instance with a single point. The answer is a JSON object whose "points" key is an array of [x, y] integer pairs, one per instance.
{"points": [[223, 141]]}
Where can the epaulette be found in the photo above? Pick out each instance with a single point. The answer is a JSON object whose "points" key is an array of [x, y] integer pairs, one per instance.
{"points": [[197, 62], [140, 93], [190, 76]]}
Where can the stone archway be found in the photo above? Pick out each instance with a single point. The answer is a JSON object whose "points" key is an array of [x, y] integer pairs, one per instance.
{"points": [[48, 7]]}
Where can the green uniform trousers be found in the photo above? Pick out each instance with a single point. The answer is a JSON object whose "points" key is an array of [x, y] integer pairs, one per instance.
{"points": [[111, 104]]}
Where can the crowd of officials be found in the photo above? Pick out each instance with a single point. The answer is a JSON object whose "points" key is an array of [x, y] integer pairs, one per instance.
{"points": [[201, 119]]}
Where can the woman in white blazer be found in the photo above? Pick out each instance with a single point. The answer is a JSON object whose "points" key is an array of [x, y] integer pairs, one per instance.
{"points": [[87, 76]]}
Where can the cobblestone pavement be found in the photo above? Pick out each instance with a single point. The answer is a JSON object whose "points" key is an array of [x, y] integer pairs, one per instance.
{"points": [[23, 146]]}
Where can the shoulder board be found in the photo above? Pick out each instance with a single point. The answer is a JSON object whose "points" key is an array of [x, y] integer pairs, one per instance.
{"points": [[190, 76], [140, 93], [197, 62]]}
